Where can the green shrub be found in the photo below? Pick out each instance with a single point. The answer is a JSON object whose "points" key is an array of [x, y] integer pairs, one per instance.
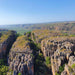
{"points": [[73, 66], [61, 68], [3, 70], [65, 34], [72, 35], [47, 60], [70, 69], [57, 73], [19, 73], [28, 32], [73, 73], [48, 63]]}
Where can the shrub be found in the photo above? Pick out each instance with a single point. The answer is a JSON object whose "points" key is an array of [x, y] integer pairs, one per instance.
{"points": [[3, 70], [72, 35], [65, 34], [19, 73], [57, 73], [29, 32], [61, 68], [70, 69], [48, 63], [73, 66]]}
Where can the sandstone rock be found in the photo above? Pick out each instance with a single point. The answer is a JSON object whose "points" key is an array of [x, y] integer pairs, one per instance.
{"points": [[64, 73], [71, 60], [6, 40], [21, 58]]}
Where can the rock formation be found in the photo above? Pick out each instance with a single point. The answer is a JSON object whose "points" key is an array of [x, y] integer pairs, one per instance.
{"points": [[57, 49], [39, 35], [21, 57], [69, 68], [6, 41], [60, 49]]}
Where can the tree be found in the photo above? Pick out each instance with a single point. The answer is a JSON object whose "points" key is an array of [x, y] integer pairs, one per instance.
{"points": [[19, 73]]}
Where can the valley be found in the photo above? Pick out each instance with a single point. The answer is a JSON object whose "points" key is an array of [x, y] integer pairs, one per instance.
{"points": [[44, 50]]}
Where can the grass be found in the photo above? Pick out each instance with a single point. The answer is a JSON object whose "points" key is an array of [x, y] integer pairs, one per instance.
{"points": [[21, 42], [5, 36]]}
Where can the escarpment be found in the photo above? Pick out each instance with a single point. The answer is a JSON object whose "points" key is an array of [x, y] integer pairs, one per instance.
{"points": [[69, 68], [48, 52], [6, 40], [39, 35], [21, 57], [58, 48], [62, 44]]}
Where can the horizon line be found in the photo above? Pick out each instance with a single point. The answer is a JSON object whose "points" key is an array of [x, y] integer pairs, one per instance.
{"points": [[38, 23]]}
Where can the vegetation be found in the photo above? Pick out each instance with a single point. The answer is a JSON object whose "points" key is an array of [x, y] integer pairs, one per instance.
{"points": [[73, 66], [40, 67], [61, 68], [48, 63], [3, 67], [6, 35], [68, 27], [19, 73], [70, 69], [21, 42], [57, 73], [72, 35]]}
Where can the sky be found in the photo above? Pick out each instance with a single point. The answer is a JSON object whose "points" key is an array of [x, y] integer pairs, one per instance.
{"points": [[36, 11]]}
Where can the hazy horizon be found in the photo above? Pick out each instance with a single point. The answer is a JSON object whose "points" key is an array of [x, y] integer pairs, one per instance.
{"points": [[38, 23]]}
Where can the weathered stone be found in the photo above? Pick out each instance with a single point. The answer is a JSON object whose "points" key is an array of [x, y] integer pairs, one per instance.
{"points": [[21, 58], [64, 73], [6, 40]]}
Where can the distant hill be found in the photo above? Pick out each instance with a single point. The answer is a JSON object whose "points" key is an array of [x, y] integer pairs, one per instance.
{"points": [[58, 26]]}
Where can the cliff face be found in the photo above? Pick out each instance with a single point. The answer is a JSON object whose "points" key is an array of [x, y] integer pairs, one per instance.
{"points": [[39, 35], [70, 67], [50, 45], [21, 57], [58, 51], [62, 55], [59, 48], [6, 40]]}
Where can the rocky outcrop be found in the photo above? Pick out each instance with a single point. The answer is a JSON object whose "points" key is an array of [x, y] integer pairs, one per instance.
{"points": [[70, 67], [59, 49], [56, 46], [21, 57], [61, 45], [6, 40], [39, 35]]}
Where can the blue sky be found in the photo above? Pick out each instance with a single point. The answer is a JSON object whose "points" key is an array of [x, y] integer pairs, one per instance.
{"points": [[36, 11]]}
